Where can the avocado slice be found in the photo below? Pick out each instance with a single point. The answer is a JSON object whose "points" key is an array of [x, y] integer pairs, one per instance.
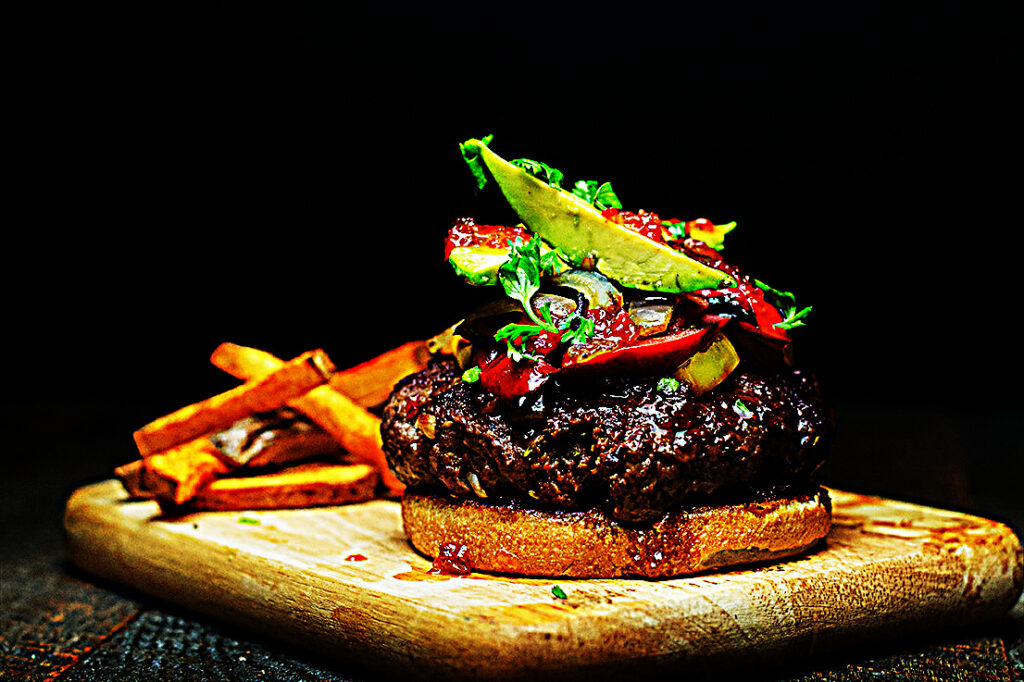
{"points": [[479, 265], [586, 237]]}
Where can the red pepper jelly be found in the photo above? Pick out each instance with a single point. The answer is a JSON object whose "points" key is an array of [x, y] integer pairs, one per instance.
{"points": [[465, 232], [451, 560], [643, 223]]}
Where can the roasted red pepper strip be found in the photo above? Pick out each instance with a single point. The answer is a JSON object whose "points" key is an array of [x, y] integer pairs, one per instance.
{"points": [[749, 298], [651, 355], [509, 379]]}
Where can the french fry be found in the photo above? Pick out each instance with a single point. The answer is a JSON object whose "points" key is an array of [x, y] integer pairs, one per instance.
{"points": [[357, 430], [261, 393], [303, 485], [130, 475], [244, 362], [370, 382], [367, 384], [174, 476]]}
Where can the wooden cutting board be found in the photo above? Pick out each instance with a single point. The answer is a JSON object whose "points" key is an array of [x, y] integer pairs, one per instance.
{"points": [[343, 580]]}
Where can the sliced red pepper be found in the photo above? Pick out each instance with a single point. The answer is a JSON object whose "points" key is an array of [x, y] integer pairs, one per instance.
{"points": [[508, 379], [650, 355], [750, 298], [766, 316]]}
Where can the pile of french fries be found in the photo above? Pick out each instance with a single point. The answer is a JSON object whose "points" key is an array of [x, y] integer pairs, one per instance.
{"points": [[180, 466]]}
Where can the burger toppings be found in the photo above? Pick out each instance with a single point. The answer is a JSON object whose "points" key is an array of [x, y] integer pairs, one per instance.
{"points": [[603, 290]]}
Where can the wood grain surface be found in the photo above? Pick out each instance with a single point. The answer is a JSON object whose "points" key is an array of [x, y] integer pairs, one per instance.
{"points": [[887, 568]]}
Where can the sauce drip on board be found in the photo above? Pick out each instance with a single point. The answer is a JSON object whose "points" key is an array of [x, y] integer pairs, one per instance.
{"points": [[451, 560]]}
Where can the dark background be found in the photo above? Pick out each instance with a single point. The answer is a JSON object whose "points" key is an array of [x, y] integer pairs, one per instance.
{"points": [[282, 175]]}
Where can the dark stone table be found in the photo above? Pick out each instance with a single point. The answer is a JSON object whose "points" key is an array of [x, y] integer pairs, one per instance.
{"points": [[57, 623]]}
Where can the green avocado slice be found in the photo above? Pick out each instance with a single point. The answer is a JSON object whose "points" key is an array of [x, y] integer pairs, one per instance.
{"points": [[479, 264], [589, 239]]}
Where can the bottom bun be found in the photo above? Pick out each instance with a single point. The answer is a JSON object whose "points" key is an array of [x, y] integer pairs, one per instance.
{"points": [[590, 544]]}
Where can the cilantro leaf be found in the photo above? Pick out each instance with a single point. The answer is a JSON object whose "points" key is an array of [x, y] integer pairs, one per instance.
{"points": [[552, 262], [577, 329], [786, 303], [668, 384], [541, 170], [600, 195], [520, 277], [676, 228], [606, 197], [515, 336], [471, 375]]}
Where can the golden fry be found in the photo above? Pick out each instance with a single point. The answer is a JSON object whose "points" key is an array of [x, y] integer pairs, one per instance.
{"points": [[367, 384], [266, 392], [370, 383], [174, 476], [357, 430], [130, 475], [303, 485]]}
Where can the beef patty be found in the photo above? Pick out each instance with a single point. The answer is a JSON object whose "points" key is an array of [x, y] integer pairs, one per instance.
{"points": [[626, 445]]}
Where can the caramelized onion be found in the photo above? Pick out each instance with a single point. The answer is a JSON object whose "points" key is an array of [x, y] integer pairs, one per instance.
{"points": [[595, 287], [651, 318]]}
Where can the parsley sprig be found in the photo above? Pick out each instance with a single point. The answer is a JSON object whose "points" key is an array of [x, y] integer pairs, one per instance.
{"points": [[520, 277], [600, 195], [541, 170], [786, 303]]}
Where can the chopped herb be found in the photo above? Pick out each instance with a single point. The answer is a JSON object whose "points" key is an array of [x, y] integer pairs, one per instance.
{"points": [[742, 410], [676, 228], [559, 592], [577, 329], [471, 375], [600, 195], [472, 159], [786, 303], [541, 171], [520, 277], [668, 384], [251, 522]]}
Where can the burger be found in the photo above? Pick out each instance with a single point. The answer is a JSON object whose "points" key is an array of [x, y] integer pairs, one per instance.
{"points": [[629, 404]]}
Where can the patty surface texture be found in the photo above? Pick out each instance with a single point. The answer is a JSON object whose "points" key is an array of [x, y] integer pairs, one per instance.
{"points": [[624, 445]]}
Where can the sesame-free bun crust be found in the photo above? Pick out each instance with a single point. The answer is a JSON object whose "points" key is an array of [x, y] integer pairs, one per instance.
{"points": [[590, 544]]}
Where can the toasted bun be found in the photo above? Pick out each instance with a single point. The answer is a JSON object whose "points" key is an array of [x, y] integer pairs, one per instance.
{"points": [[590, 544]]}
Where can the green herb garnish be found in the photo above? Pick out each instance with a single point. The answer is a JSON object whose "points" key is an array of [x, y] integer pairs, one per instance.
{"points": [[600, 195], [577, 329], [559, 592], [472, 159], [676, 228], [541, 170], [471, 375], [520, 277], [668, 384], [786, 303], [247, 520], [742, 410]]}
